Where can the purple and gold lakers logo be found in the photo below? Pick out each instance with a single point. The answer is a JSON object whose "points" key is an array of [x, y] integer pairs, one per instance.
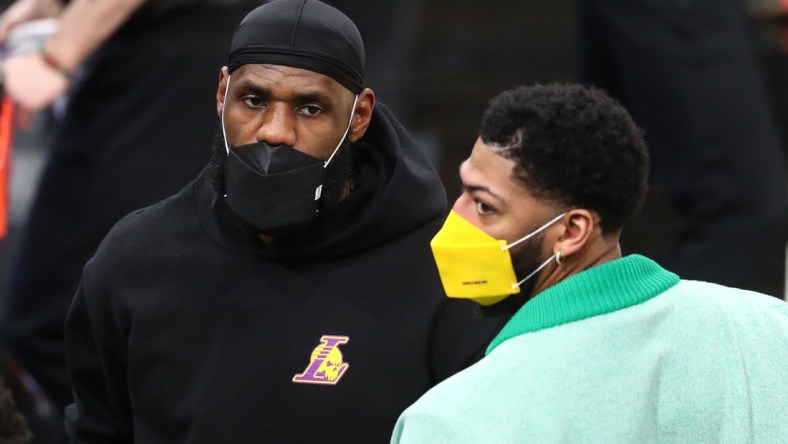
{"points": [[325, 364]]}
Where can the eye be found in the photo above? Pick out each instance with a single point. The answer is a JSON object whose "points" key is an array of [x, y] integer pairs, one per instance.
{"points": [[483, 209], [311, 110], [253, 102]]}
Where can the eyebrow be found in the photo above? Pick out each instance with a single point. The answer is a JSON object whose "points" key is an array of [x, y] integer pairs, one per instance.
{"points": [[299, 98], [313, 96], [248, 86], [483, 189]]}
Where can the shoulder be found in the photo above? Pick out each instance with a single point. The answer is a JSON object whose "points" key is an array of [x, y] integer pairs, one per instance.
{"points": [[155, 223], [722, 300], [740, 321], [146, 234]]}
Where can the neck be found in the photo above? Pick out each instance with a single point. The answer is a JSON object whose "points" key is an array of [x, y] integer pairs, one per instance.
{"points": [[596, 253]]}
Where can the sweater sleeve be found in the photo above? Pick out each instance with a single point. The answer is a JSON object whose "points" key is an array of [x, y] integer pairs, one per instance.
{"points": [[415, 426], [102, 409]]}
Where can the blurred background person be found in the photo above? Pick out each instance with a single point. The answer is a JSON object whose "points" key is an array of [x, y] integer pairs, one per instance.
{"points": [[687, 72], [140, 79], [13, 427]]}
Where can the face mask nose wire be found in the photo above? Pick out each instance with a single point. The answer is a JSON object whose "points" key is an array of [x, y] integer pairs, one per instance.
{"points": [[347, 130]]}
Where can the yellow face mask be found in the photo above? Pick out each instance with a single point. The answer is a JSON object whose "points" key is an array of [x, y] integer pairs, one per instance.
{"points": [[476, 266]]}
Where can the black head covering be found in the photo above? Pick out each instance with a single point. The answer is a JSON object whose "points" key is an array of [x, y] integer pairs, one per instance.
{"points": [[305, 34]]}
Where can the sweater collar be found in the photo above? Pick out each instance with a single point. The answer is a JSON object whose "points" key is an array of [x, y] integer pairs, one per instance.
{"points": [[603, 289]]}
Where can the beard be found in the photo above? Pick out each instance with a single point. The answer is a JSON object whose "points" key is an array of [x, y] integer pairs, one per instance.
{"points": [[339, 174], [218, 160], [525, 260], [340, 177]]}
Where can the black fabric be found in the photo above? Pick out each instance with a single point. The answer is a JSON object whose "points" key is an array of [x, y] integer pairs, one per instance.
{"points": [[305, 34], [686, 72], [273, 188], [137, 129], [188, 328]]}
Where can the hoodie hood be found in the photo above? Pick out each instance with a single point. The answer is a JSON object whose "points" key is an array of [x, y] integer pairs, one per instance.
{"points": [[396, 191]]}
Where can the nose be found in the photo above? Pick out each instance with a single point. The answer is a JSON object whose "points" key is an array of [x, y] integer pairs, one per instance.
{"points": [[463, 206], [277, 127]]}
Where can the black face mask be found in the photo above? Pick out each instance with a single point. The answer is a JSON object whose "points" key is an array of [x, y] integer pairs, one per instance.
{"points": [[273, 188]]}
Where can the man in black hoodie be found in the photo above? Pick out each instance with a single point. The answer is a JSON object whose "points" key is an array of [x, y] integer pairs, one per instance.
{"points": [[288, 294]]}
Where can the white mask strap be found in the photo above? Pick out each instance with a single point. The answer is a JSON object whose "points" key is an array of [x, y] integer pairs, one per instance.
{"points": [[538, 269], [224, 106], [347, 130], [539, 230]]}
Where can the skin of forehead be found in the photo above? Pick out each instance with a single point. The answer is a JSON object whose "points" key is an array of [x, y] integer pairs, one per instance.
{"points": [[301, 79]]}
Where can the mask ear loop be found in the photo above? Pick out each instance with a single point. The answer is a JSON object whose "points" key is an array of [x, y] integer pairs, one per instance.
{"points": [[224, 133], [538, 269], [544, 264], [539, 230], [347, 130]]}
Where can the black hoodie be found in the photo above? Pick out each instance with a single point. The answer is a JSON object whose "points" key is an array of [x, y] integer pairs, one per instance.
{"points": [[187, 328]]}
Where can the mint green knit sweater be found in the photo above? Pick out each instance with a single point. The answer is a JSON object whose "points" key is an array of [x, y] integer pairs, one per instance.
{"points": [[621, 353]]}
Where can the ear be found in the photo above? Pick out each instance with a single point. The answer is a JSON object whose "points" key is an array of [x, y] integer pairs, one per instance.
{"points": [[363, 115], [224, 73], [578, 226]]}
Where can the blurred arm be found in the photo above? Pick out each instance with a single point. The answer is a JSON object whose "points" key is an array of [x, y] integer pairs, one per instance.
{"points": [[84, 25], [26, 10]]}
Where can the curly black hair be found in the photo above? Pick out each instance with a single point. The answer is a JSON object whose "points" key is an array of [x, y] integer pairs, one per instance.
{"points": [[573, 145]]}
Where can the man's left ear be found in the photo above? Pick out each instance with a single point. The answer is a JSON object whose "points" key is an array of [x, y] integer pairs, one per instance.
{"points": [[362, 115], [579, 225]]}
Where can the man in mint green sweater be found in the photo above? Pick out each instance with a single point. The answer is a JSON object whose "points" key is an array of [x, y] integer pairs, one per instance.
{"points": [[601, 348]]}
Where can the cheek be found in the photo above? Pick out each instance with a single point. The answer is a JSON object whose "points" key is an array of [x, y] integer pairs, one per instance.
{"points": [[321, 135], [498, 231], [239, 127], [317, 139]]}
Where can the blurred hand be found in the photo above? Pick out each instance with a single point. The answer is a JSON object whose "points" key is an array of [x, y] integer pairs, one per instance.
{"points": [[24, 11], [31, 83]]}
